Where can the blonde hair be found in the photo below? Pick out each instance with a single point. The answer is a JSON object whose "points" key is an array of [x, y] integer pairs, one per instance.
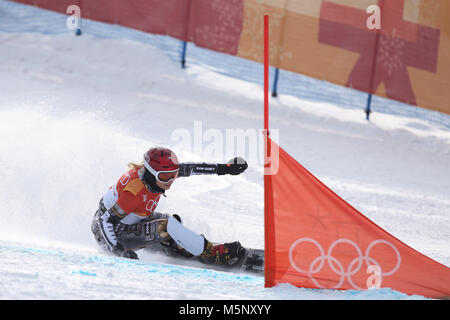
{"points": [[133, 165]]}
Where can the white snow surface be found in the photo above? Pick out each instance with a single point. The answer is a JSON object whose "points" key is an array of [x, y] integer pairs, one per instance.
{"points": [[75, 111]]}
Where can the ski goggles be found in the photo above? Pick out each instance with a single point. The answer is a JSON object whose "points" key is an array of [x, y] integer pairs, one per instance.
{"points": [[162, 176], [166, 176]]}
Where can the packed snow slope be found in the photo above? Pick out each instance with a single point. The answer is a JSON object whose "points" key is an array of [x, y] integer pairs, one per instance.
{"points": [[74, 111]]}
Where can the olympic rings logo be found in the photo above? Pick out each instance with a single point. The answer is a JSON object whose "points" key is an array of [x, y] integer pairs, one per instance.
{"points": [[337, 267]]}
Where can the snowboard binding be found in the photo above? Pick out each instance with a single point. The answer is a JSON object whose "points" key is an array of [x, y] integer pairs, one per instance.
{"points": [[227, 254]]}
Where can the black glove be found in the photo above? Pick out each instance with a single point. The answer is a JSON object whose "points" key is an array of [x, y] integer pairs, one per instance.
{"points": [[234, 167], [130, 254], [126, 253]]}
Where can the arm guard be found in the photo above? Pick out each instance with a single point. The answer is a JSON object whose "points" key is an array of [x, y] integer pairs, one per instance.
{"points": [[187, 169], [235, 166]]}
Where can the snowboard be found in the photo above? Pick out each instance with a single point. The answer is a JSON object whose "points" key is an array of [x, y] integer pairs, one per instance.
{"points": [[252, 261]]}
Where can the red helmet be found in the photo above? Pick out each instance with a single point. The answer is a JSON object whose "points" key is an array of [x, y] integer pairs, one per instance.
{"points": [[162, 163]]}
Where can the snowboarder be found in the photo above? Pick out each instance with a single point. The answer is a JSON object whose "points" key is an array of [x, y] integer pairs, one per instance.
{"points": [[126, 219]]}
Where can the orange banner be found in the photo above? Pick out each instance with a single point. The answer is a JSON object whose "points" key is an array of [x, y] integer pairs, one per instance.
{"points": [[407, 59], [317, 240]]}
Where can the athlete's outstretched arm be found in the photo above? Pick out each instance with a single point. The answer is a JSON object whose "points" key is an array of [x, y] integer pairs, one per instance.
{"points": [[234, 167]]}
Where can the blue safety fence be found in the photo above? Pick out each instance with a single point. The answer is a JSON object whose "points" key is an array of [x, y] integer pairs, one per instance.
{"points": [[16, 17]]}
